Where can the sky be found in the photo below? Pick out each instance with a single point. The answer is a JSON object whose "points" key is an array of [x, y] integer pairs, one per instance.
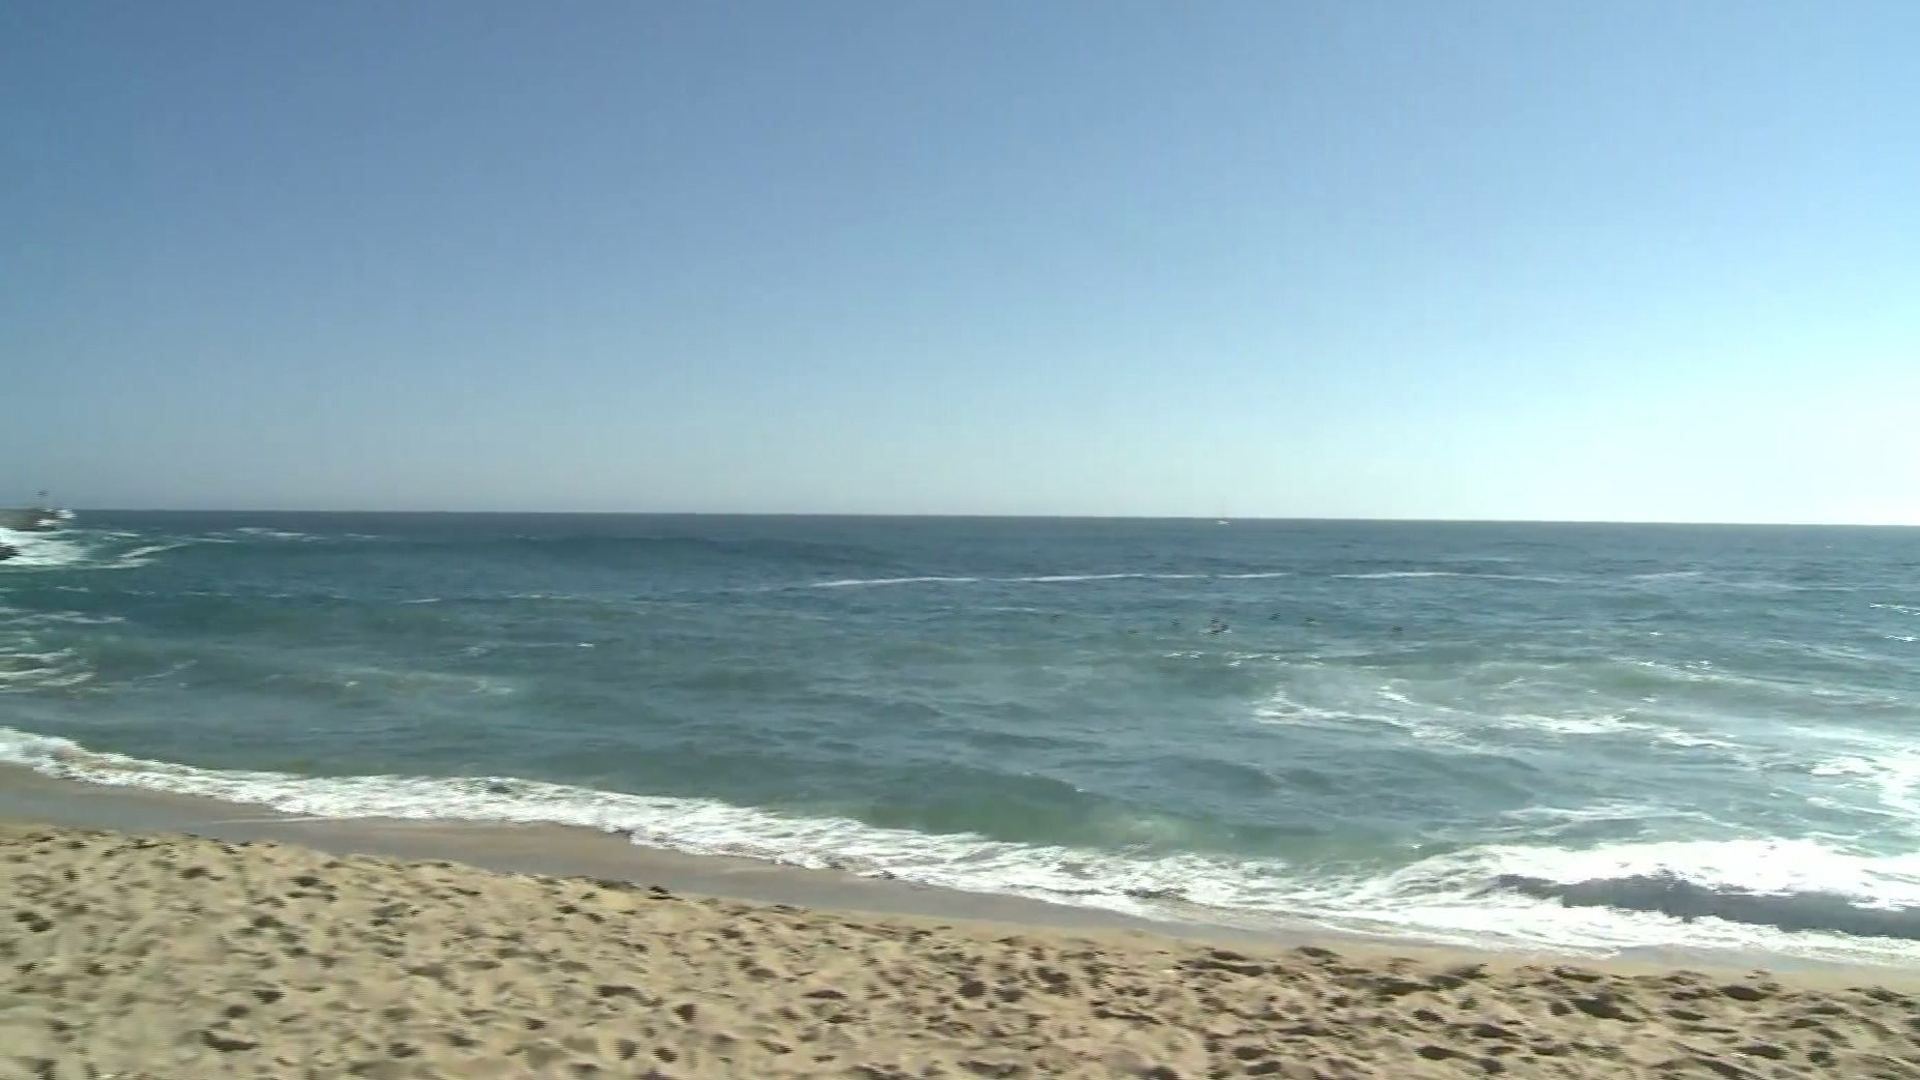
{"points": [[1489, 259]]}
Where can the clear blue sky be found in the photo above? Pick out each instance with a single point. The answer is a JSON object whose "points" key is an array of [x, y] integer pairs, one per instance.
{"points": [[1625, 260]]}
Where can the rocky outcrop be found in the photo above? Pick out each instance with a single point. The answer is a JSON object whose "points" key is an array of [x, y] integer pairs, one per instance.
{"points": [[35, 519]]}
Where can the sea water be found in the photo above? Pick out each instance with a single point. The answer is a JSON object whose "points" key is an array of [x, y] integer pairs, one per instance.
{"points": [[1577, 737]]}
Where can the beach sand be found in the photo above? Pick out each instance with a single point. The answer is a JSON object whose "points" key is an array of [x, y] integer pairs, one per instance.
{"points": [[166, 955]]}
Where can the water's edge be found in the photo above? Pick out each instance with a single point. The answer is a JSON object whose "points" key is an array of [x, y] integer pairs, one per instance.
{"points": [[573, 851]]}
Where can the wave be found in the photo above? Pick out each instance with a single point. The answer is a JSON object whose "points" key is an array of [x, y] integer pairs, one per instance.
{"points": [[1723, 894], [1390, 575], [1756, 865], [85, 549], [1050, 579], [1890, 772], [848, 583], [1035, 579], [777, 550], [29, 619], [121, 550], [772, 550], [1655, 714], [1591, 724], [40, 550], [1474, 897], [1634, 674], [254, 532], [1693, 740], [1667, 893], [697, 826], [150, 550], [40, 671], [29, 662]]}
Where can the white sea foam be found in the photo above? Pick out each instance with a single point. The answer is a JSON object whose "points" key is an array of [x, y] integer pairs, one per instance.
{"points": [[1446, 897], [1595, 724], [1065, 578], [1398, 575], [1283, 710], [1757, 865], [41, 550], [142, 555], [850, 583], [255, 532], [1892, 774], [24, 665], [84, 549], [1665, 575], [1605, 810], [28, 662], [25, 619], [701, 826], [1036, 579], [1691, 740], [1438, 711]]}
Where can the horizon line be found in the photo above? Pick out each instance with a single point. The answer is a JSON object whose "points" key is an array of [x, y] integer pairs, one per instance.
{"points": [[960, 516]]}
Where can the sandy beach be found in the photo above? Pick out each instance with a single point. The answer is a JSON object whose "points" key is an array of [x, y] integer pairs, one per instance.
{"points": [[168, 955]]}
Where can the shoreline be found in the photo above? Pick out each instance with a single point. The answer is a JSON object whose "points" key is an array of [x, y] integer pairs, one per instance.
{"points": [[171, 955], [28, 796], [553, 850]]}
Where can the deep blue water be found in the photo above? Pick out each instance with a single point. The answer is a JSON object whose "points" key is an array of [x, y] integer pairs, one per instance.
{"points": [[1586, 736]]}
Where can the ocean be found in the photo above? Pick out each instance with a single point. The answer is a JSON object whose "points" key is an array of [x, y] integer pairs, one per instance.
{"points": [[1584, 738]]}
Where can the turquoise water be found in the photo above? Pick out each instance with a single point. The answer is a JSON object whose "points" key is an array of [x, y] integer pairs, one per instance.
{"points": [[1585, 737]]}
